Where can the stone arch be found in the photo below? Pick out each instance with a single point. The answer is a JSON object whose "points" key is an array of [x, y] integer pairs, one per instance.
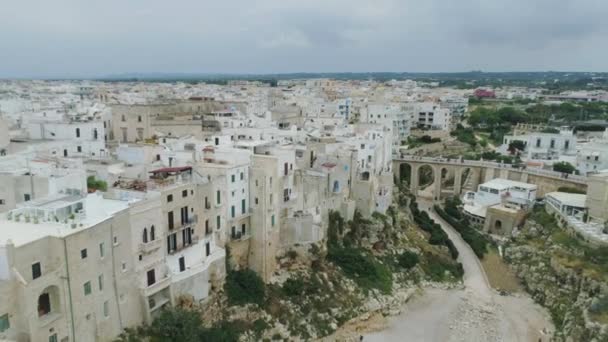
{"points": [[405, 173], [49, 301], [426, 177]]}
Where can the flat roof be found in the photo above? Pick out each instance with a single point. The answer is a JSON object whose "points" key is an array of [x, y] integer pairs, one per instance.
{"points": [[569, 199], [501, 183], [97, 209]]}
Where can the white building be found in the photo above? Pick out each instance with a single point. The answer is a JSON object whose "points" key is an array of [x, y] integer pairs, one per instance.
{"points": [[495, 192]]}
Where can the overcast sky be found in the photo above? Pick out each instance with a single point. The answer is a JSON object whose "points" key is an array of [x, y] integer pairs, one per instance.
{"points": [[58, 38]]}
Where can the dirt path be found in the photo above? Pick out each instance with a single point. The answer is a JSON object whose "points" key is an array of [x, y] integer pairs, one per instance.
{"points": [[475, 313]]}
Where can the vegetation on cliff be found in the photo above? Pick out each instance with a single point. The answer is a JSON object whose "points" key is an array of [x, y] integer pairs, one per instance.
{"points": [[564, 274]]}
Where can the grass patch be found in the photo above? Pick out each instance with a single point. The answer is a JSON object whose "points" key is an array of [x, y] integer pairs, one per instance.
{"points": [[500, 276]]}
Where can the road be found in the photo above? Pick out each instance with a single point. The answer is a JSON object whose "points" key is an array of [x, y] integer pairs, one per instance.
{"points": [[475, 313]]}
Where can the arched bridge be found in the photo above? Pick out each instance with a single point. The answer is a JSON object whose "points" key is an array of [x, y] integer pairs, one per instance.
{"points": [[452, 175]]}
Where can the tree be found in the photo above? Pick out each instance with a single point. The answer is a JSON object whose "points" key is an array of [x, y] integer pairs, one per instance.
{"points": [[511, 115], [176, 324], [516, 145], [564, 167]]}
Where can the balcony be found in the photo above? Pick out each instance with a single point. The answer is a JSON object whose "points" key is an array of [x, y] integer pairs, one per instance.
{"points": [[157, 286], [150, 246], [239, 236], [189, 222]]}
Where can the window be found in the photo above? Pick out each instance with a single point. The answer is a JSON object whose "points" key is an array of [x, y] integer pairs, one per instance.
{"points": [[256, 201], [83, 253], [172, 243], [182, 264], [184, 193], [139, 118], [243, 229], [207, 249], [101, 250], [79, 149], [169, 198], [243, 206], [36, 270], [2, 202], [566, 144], [123, 266], [537, 142], [218, 198], [26, 197], [106, 309], [232, 211], [170, 220], [4, 323], [53, 338], [242, 175], [44, 304], [151, 277], [77, 132], [100, 282], [233, 177], [87, 288], [115, 240], [218, 221], [122, 118], [272, 220], [152, 234], [552, 143]]}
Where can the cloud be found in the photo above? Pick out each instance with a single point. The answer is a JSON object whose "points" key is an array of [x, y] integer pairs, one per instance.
{"points": [[74, 37]]}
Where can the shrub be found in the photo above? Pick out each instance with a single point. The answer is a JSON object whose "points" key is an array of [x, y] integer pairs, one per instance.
{"points": [[243, 287], [436, 268], [564, 167], [96, 184], [293, 287], [408, 260], [362, 267]]}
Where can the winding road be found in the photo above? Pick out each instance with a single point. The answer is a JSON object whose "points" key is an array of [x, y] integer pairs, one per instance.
{"points": [[475, 313]]}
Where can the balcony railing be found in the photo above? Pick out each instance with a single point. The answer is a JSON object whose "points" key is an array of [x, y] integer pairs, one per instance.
{"points": [[157, 286], [150, 246], [239, 236]]}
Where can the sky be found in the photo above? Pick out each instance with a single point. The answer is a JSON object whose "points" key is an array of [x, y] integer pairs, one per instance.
{"points": [[88, 38]]}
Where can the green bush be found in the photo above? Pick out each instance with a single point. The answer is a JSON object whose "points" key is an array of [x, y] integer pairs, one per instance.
{"points": [[362, 267], [293, 287], [564, 167], [243, 287], [96, 184], [178, 324], [408, 260], [436, 268]]}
